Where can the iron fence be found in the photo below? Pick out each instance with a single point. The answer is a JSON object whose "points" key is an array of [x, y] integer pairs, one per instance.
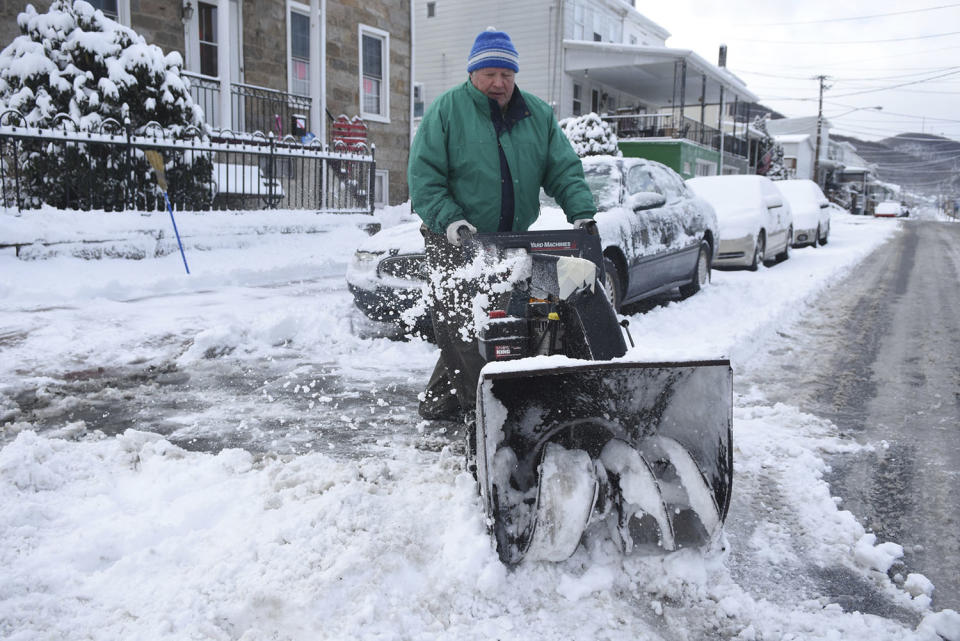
{"points": [[106, 169]]}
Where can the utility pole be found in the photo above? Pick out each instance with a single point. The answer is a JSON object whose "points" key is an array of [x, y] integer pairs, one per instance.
{"points": [[816, 156]]}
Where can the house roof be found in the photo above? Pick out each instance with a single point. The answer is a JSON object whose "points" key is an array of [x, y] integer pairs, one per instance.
{"points": [[648, 72], [788, 138], [801, 125]]}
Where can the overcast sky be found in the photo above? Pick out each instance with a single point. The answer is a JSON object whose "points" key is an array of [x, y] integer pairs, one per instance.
{"points": [[778, 48]]}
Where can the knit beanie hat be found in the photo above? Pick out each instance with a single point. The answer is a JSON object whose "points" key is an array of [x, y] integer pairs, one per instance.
{"points": [[493, 48]]}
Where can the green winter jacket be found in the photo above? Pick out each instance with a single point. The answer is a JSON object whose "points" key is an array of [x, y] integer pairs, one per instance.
{"points": [[454, 167]]}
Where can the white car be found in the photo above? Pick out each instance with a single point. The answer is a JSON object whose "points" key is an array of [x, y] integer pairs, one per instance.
{"points": [[811, 211], [888, 209], [754, 219]]}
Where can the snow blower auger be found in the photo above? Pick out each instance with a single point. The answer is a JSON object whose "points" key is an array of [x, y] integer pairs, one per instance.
{"points": [[572, 436]]}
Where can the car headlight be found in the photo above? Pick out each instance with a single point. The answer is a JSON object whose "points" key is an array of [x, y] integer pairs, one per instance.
{"points": [[366, 258], [406, 267]]}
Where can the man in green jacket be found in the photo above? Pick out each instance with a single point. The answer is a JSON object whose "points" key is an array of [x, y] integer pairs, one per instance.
{"points": [[481, 154]]}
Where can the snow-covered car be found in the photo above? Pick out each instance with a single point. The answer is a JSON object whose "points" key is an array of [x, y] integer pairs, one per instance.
{"points": [[888, 209], [811, 211], [755, 221], [657, 237], [386, 279]]}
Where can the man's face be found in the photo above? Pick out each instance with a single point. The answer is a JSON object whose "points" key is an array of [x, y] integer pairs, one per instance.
{"points": [[495, 83]]}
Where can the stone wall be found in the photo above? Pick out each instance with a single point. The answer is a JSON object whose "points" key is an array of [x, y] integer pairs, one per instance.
{"points": [[9, 10], [158, 21], [343, 79], [265, 43]]}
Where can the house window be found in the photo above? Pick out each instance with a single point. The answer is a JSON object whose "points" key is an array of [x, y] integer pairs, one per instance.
{"points": [[418, 100], [381, 188], [579, 22], [595, 101], [431, 9], [597, 37], [577, 102], [374, 74], [109, 8], [706, 168], [207, 14], [299, 53], [633, 40]]}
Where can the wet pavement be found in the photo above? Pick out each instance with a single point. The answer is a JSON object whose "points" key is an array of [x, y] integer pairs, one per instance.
{"points": [[880, 358]]}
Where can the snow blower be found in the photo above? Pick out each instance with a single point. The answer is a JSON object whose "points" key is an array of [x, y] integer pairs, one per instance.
{"points": [[572, 435]]}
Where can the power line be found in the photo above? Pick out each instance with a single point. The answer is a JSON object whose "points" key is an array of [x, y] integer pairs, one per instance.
{"points": [[870, 17], [893, 113], [846, 42], [905, 84], [870, 59]]}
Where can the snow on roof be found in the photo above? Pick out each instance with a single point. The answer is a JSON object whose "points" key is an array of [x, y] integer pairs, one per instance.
{"points": [[790, 138]]}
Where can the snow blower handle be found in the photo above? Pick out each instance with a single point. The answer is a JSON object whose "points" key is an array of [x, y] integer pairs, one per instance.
{"points": [[466, 236]]}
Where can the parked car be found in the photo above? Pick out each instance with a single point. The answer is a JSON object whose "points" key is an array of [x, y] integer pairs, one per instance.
{"points": [[755, 221], [811, 211], [658, 237], [888, 209]]}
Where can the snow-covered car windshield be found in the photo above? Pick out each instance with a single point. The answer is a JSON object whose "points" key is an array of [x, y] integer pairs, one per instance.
{"points": [[604, 182]]}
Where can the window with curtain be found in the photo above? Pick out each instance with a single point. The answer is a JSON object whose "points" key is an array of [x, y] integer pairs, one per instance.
{"points": [[299, 54], [373, 64]]}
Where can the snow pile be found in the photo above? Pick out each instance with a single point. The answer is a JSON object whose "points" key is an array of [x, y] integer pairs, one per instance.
{"points": [[590, 136]]}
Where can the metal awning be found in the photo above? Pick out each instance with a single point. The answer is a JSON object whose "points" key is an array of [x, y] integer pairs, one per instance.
{"points": [[652, 73]]}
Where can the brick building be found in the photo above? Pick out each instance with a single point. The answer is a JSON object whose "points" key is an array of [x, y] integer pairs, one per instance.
{"points": [[266, 73]]}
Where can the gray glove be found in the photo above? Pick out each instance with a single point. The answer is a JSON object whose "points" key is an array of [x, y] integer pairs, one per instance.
{"points": [[452, 236], [588, 225]]}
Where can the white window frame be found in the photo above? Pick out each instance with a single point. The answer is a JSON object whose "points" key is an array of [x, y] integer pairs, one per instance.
{"points": [[123, 12], [382, 180], [579, 22], [366, 30], [304, 10]]}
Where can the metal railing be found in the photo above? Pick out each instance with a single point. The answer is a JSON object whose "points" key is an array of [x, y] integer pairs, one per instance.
{"points": [[106, 169], [205, 92], [252, 108], [262, 109], [666, 125]]}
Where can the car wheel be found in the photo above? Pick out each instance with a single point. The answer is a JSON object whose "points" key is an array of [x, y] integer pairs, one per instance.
{"points": [[816, 239], [785, 254], [759, 250], [701, 274], [612, 283]]}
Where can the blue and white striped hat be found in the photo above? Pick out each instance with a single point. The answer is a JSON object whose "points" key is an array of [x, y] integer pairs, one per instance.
{"points": [[493, 48]]}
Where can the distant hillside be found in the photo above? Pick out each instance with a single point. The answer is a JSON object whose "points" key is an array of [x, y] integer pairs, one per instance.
{"points": [[918, 162]]}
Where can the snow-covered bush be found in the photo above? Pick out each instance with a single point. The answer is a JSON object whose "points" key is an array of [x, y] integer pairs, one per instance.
{"points": [[73, 60], [770, 152], [590, 136]]}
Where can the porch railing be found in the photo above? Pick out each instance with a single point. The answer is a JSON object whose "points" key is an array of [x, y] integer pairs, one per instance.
{"points": [[667, 125], [254, 108]]}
